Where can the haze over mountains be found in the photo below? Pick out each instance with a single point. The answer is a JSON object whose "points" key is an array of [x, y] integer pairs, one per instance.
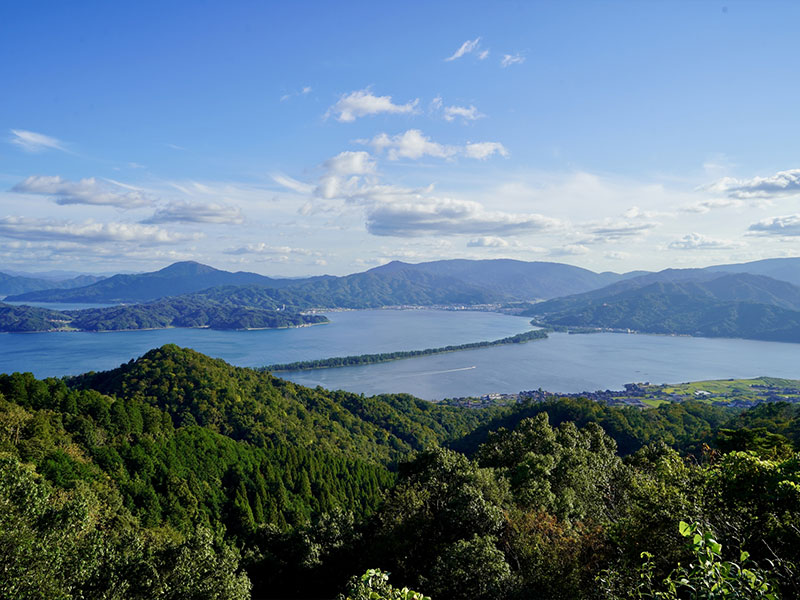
{"points": [[19, 284]]}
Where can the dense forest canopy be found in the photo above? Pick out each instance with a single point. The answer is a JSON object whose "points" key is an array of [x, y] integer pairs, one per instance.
{"points": [[177, 475]]}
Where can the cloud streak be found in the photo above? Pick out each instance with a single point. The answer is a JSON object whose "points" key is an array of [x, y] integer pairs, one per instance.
{"points": [[696, 241], [84, 191], [30, 141], [413, 216], [193, 212], [511, 59], [23, 228], [468, 47]]}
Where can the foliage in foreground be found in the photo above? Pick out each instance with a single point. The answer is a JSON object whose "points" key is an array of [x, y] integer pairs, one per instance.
{"points": [[176, 475]]}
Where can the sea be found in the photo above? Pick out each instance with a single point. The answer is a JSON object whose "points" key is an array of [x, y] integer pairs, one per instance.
{"points": [[562, 363]]}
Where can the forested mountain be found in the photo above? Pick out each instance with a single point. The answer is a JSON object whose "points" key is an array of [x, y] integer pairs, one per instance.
{"points": [[361, 290], [176, 279], [514, 279], [439, 282], [254, 406], [18, 284], [784, 269], [736, 305], [171, 312], [179, 476]]}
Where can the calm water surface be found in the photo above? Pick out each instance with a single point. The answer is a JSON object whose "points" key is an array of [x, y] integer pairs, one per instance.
{"points": [[349, 332], [562, 363]]}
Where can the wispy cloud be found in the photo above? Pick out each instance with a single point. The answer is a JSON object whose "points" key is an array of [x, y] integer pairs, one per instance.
{"points": [[787, 226], [30, 141], [488, 241], [24, 228], [783, 183], [292, 184], [85, 191], [612, 231], [705, 206], [483, 150], [696, 241], [511, 59], [363, 103], [193, 212], [467, 48], [416, 215], [569, 250], [302, 92], [413, 144], [266, 249], [468, 113]]}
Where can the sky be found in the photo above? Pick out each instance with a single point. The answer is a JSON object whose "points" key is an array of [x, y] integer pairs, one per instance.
{"points": [[301, 138]]}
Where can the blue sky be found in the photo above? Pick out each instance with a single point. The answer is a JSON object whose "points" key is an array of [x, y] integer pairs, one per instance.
{"points": [[298, 138]]}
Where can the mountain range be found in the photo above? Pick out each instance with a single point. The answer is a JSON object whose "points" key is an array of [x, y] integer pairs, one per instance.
{"points": [[738, 300], [19, 284], [699, 303]]}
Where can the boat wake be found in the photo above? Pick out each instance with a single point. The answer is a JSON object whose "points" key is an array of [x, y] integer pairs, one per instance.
{"points": [[439, 372]]}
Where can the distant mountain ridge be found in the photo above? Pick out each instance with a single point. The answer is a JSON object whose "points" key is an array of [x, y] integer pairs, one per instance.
{"points": [[176, 279], [441, 282], [697, 303], [20, 284], [514, 279], [396, 283]]}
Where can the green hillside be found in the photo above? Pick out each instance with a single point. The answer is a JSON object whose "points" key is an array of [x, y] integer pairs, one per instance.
{"points": [[179, 476], [743, 306]]}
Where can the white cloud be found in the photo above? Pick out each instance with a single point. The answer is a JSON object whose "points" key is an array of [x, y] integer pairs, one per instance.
{"points": [[263, 248], [483, 150], [616, 255], [483, 55], [343, 174], [782, 183], [467, 113], [417, 215], [193, 212], [411, 144], [619, 230], [509, 59], [788, 226], [85, 191], [350, 163], [292, 184], [570, 250], [466, 48], [414, 144], [303, 91], [487, 241], [24, 228], [362, 103], [31, 141], [705, 206], [696, 241]]}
